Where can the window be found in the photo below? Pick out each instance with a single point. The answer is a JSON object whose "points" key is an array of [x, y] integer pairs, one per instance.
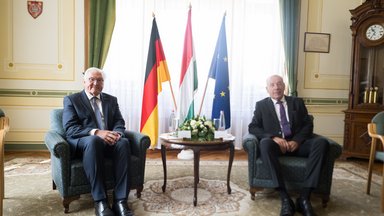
{"points": [[254, 52]]}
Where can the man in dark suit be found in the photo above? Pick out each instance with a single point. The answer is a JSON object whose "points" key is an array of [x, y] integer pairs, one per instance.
{"points": [[95, 129], [283, 127]]}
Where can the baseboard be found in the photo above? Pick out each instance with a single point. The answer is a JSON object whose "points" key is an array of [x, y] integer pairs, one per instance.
{"points": [[25, 147]]}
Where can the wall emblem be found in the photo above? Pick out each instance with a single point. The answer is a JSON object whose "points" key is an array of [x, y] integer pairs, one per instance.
{"points": [[35, 8]]}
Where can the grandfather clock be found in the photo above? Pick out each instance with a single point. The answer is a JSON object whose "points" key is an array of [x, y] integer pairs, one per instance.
{"points": [[367, 76]]}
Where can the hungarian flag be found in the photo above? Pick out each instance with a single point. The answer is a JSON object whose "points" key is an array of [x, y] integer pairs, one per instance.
{"points": [[188, 76], [156, 72], [219, 72]]}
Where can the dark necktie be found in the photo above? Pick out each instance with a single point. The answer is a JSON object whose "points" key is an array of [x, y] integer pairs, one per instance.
{"points": [[283, 121], [97, 114]]}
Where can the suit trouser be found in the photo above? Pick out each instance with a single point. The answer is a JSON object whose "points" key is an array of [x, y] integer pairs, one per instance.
{"points": [[93, 151], [314, 149]]}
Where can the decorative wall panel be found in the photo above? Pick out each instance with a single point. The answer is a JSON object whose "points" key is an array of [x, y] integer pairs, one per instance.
{"points": [[39, 48]]}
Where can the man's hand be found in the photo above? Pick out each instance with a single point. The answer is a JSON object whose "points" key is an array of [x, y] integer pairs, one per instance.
{"points": [[282, 143], [293, 146], [286, 146], [110, 137]]}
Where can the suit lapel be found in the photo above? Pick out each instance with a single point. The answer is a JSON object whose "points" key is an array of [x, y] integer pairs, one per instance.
{"points": [[272, 109], [87, 103], [104, 103], [290, 109]]}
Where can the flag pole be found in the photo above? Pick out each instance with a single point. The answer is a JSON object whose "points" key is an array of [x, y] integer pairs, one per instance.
{"points": [[170, 84], [202, 100], [173, 96], [206, 84]]}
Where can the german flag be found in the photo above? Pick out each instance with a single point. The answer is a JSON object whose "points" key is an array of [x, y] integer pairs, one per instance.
{"points": [[156, 72]]}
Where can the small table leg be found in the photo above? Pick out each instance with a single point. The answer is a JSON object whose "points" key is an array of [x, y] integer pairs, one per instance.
{"points": [[231, 156], [196, 160], [164, 159]]}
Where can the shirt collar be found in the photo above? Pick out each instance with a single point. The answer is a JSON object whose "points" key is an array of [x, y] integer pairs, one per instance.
{"points": [[91, 96], [282, 100]]}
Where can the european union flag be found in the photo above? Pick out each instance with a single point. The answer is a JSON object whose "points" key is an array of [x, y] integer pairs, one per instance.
{"points": [[219, 72]]}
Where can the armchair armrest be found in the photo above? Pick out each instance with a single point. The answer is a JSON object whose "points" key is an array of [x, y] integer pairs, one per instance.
{"points": [[60, 159], [58, 146], [249, 139], [334, 148], [250, 143], [139, 143]]}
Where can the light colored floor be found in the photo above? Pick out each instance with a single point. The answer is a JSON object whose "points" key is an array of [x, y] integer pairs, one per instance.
{"points": [[204, 155], [172, 154], [151, 154]]}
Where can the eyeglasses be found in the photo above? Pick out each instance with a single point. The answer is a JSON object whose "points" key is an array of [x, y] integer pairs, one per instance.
{"points": [[91, 79], [278, 84]]}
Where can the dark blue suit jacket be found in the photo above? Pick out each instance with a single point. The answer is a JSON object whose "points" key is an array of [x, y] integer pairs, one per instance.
{"points": [[265, 123], [79, 118]]}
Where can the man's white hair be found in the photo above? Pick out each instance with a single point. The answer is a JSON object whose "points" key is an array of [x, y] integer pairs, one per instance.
{"points": [[270, 77], [92, 69]]}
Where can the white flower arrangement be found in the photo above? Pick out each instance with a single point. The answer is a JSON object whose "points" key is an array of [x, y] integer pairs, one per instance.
{"points": [[201, 128]]}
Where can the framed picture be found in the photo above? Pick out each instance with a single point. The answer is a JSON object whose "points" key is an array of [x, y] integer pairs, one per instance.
{"points": [[316, 42]]}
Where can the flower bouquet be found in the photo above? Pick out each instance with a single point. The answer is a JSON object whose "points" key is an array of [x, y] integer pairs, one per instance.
{"points": [[201, 128]]}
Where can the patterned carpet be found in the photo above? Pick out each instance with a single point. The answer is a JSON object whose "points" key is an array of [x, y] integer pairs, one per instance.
{"points": [[28, 191], [212, 198]]}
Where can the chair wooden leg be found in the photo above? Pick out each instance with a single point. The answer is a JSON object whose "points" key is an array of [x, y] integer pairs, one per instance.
{"points": [[370, 165], [253, 191], [1, 172], [139, 189], [2, 168], [67, 201], [382, 192], [324, 200]]}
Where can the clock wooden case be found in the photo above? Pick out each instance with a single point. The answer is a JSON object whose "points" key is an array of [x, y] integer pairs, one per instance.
{"points": [[367, 76]]}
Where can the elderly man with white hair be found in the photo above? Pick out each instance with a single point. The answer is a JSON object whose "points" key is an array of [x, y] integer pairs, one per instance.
{"points": [[94, 129]]}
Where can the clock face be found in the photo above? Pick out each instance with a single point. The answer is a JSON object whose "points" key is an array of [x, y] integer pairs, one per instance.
{"points": [[375, 32]]}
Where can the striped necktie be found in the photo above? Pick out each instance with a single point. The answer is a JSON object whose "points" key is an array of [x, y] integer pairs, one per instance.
{"points": [[97, 113], [283, 121]]}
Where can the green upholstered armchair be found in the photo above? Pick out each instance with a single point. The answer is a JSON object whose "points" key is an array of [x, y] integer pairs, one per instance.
{"points": [[293, 168], [68, 174]]}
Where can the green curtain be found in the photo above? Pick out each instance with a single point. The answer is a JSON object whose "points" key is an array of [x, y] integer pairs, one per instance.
{"points": [[102, 15], [289, 13]]}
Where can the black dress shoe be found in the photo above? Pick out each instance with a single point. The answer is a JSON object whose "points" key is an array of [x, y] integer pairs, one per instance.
{"points": [[102, 208], [121, 208], [287, 207], [304, 206]]}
